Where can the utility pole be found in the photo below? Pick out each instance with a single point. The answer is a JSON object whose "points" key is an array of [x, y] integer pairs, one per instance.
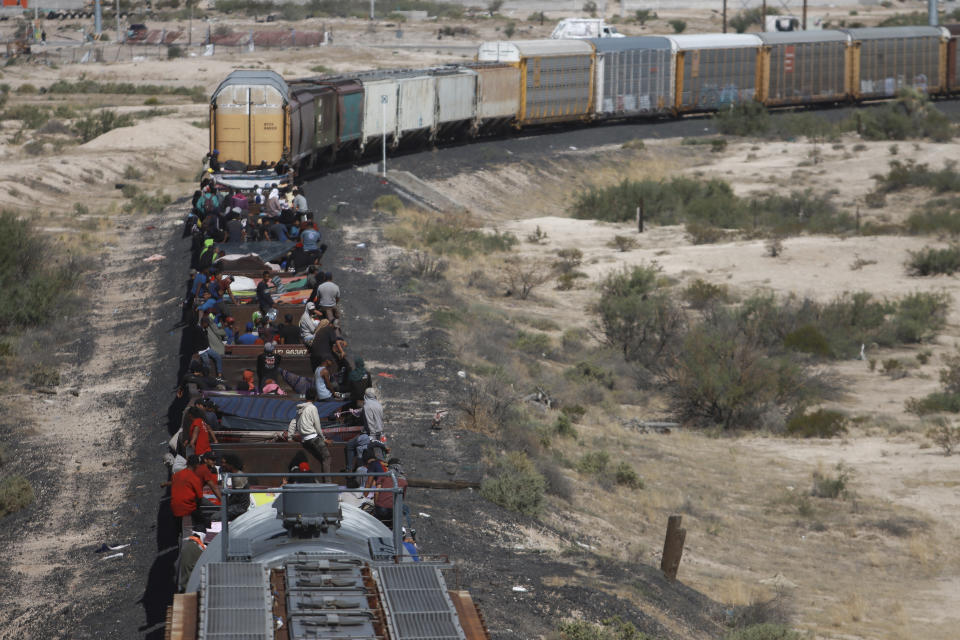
{"points": [[763, 17], [372, 2], [804, 15], [932, 12], [97, 18], [119, 39], [724, 16], [190, 32], [383, 126]]}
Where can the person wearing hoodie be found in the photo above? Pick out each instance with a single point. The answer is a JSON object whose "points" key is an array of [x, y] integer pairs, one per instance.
{"points": [[372, 414], [308, 324], [307, 426]]}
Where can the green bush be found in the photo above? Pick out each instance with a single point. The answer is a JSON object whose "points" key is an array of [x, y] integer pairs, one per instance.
{"points": [[516, 485], [16, 493], [568, 260], [937, 216], [679, 26], [912, 19], [564, 426], [97, 124], [822, 423], [765, 631], [533, 343], [389, 203], [700, 233], [196, 94], [31, 116], [831, 486], [930, 262], [906, 174], [920, 316], [610, 629], [625, 476], [44, 376], [936, 402], [594, 463], [593, 373], [701, 294], [912, 115], [808, 339], [743, 119], [33, 274]]}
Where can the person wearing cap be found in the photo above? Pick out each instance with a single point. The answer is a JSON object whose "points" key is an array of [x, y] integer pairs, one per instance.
{"points": [[250, 336], [268, 363], [306, 426], [229, 328], [308, 323], [237, 503], [207, 472]]}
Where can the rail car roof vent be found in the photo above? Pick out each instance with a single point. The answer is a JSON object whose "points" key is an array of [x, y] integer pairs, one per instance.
{"points": [[309, 510]]}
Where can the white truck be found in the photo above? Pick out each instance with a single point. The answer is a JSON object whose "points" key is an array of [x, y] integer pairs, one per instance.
{"points": [[584, 28]]}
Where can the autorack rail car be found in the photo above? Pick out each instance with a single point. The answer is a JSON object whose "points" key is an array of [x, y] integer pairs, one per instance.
{"points": [[257, 117]]}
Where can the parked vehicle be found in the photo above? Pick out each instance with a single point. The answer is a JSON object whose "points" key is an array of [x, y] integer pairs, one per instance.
{"points": [[570, 28]]}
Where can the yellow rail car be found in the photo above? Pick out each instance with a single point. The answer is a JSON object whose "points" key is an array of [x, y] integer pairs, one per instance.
{"points": [[250, 118]]}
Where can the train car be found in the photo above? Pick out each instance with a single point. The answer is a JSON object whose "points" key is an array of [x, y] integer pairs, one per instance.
{"points": [[715, 70], [634, 76], [380, 95], [498, 95], [556, 77], [885, 60], [332, 122], [804, 67], [416, 106], [249, 121], [953, 57], [456, 91]]}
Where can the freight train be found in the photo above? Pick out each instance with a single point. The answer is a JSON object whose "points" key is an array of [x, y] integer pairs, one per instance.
{"points": [[257, 117]]}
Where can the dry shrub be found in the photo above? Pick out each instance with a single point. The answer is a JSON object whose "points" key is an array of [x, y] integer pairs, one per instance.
{"points": [[486, 406], [521, 277], [16, 493], [516, 484]]}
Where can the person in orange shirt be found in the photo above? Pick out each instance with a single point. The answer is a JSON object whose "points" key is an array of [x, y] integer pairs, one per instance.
{"points": [[186, 494], [200, 434]]}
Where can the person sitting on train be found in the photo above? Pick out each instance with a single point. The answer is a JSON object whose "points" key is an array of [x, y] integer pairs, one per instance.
{"points": [[323, 381], [271, 388], [186, 495], [278, 231], [300, 259], [299, 200], [356, 449], [237, 503], [273, 202], [236, 233], [358, 381], [230, 329], [214, 160], [324, 341], [267, 364], [249, 336], [239, 201], [288, 332], [247, 382], [308, 323], [311, 242]]}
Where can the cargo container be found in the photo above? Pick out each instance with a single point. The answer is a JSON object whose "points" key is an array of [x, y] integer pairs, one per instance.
{"points": [[803, 67], [634, 76], [556, 77], [249, 121], [498, 95], [715, 70], [456, 99], [416, 106], [885, 60]]}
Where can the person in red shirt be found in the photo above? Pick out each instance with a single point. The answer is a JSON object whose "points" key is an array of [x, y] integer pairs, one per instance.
{"points": [[186, 494], [383, 500], [207, 472], [200, 434]]}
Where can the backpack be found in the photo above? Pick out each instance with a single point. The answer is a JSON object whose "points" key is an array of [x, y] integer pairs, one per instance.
{"points": [[209, 204]]}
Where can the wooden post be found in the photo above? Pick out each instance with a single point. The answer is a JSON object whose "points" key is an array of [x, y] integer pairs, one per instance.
{"points": [[673, 547], [763, 17], [640, 217], [858, 219], [804, 15], [724, 16]]}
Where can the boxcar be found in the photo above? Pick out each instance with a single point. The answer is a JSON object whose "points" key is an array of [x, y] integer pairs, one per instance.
{"points": [[715, 70], [634, 76], [456, 98], [953, 57], [416, 105], [556, 77], [803, 67], [498, 95], [885, 60], [249, 121], [380, 91]]}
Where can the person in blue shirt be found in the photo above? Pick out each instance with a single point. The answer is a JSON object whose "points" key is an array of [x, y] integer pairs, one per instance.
{"points": [[249, 337], [230, 330], [310, 238]]}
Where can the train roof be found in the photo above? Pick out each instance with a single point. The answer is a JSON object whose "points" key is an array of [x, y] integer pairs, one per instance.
{"points": [[884, 33], [803, 37], [514, 50], [609, 45], [253, 77], [260, 536], [714, 41]]}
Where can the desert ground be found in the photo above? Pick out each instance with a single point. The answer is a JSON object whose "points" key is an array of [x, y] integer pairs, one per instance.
{"points": [[880, 564]]}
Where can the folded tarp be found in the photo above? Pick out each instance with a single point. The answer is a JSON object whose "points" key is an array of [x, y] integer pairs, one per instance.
{"points": [[258, 413]]}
